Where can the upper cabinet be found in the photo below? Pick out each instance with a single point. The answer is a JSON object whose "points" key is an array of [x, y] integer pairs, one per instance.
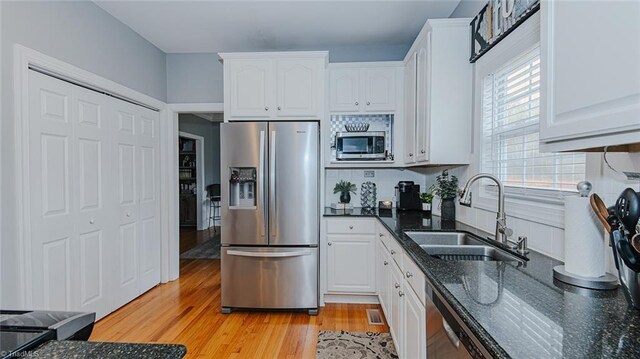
{"points": [[590, 73], [438, 95], [362, 88], [274, 85]]}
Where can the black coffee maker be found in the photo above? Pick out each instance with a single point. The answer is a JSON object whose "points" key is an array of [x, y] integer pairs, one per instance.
{"points": [[408, 196]]}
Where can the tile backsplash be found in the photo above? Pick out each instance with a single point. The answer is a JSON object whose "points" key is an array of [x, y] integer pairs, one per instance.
{"points": [[385, 180]]}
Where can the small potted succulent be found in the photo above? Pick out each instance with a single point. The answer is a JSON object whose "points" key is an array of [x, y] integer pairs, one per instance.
{"points": [[427, 199], [446, 187], [345, 189]]}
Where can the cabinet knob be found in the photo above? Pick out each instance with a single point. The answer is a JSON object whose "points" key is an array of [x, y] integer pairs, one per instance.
{"points": [[385, 263], [400, 293], [350, 227], [266, 109], [409, 275], [357, 103], [128, 214], [422, 151], [279, 108], [380, 234], [368, 103], [393, 252], [397, 285], [92, 221], [329, 243], [410, 154]]}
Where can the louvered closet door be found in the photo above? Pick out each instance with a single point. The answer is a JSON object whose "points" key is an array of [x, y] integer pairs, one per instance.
{"points": [[50, 193], [92, 245]]}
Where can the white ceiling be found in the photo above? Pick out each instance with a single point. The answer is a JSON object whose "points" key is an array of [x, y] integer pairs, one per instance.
{"points": [[227, 26]]}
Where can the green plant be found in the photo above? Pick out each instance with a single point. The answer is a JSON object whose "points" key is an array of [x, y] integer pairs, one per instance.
{"points": [[344, 186], [446, 186], [426, 197]]}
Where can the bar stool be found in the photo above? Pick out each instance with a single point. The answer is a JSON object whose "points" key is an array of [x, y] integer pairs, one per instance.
{"points": [[213, 192]]}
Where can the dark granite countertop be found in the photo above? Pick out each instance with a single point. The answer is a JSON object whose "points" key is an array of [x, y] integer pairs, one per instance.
{"points": [[103, 350], [517, 310]]}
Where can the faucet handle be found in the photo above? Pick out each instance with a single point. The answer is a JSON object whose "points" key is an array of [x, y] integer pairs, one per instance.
{"points": [[522, 245], [465, 199]]}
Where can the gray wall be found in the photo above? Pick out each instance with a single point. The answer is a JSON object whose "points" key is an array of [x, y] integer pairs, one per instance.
{"points": [[211, 133], [468, 8], [79, 33], [194, 78]]}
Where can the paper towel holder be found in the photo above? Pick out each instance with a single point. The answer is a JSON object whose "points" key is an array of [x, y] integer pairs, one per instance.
{"points": [[605, 282]]}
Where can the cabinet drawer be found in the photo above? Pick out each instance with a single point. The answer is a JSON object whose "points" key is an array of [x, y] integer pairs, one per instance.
{"points": [[350, 225], [396, 253], [414, 277], [384, 236]]}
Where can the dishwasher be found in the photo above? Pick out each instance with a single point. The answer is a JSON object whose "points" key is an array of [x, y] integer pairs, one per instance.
{"points": [[447, 336]]}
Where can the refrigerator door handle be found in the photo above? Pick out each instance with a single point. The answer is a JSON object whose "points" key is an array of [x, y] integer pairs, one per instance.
{"points": [[273, 209], [261, 178], [269, 254]]}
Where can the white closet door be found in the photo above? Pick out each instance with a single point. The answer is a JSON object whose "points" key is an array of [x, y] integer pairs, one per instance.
{"points": [[94, 222], [52, 214], [149, 174]]}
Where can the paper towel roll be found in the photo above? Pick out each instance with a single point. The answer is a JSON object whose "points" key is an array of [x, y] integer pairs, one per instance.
{"points": [[583, 239]]}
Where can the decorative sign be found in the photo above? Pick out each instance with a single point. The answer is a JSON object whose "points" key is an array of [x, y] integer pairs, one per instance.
{"points": [[496, 20]]}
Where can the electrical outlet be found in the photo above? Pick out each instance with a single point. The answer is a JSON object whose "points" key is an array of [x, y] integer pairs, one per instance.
{"points": [[369, 174]]}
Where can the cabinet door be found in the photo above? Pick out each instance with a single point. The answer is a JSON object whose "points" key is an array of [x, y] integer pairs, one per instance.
{"points": [[379, 89], [415, 337], [422, 100], [344, 90], [351, 263], [410, 110], [299, 88], [382, 278], [251, 88], [397, 308], [600, 93]]}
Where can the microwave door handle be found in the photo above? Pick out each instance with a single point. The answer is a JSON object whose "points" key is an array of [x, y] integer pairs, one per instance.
{"points": [[262, 195]]}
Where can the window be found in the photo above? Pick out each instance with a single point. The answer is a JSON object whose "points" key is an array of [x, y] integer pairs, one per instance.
{"points": [[510, 115]]}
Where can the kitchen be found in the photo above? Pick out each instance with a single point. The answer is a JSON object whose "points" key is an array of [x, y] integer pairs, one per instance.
{"points": [[350, 208]]}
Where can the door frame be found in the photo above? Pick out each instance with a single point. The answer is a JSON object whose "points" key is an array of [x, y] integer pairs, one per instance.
{"points": [[171, 226], [23, 59], [201, 199]]}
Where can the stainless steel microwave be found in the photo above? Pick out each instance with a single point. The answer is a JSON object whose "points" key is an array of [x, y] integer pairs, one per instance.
{"points": [[361, 145]]}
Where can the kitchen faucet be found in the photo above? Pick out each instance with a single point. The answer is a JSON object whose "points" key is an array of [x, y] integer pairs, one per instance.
{"points": [[502, 231]]}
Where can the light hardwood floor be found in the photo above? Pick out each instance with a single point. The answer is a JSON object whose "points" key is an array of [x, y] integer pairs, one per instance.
{"points": [[187, 311]]}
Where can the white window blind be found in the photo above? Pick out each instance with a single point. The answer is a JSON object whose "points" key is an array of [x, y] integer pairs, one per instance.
{"points": [[510, 115]]}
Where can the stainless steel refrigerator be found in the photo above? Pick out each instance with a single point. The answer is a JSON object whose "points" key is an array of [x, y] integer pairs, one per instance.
{"points": [[270, 218]]}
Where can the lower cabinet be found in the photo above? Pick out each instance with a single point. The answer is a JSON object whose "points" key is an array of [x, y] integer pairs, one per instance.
{"points": [[402, 305], [351, 263]]}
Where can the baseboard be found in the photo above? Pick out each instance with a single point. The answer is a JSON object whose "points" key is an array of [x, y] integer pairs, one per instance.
{"points": [[351, 298]]}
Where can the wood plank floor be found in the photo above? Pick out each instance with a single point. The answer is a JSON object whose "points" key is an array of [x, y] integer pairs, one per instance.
{"points": [[190, 237], [187, 311]]}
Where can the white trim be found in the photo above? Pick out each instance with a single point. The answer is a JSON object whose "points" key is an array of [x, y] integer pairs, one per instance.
{"points": [[200, 192], [342, 65], [350, 298], [23, 58], [210, 107], [275, 55], [171, 177]]}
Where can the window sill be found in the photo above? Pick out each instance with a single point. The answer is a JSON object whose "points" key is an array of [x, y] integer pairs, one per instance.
{"points": [[547, 211]]}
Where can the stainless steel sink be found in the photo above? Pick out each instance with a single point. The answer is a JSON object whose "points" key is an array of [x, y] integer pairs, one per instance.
{"points": [[459, 246]]}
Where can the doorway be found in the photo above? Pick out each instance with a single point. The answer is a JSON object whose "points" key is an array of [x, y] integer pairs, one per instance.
{"points": [[199, 184]]}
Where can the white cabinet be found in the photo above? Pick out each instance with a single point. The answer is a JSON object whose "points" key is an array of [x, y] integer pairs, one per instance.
{"points": [[351, 256], [401, 287], [440, 108], [590, 97], [414, 343], [363, 87], [274, 85]]}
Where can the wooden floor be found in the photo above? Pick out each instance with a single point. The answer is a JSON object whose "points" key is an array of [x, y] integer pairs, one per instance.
{"points": [[187, 311], [190, 237]]}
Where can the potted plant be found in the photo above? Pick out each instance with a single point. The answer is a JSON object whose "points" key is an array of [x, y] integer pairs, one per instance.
{"points": [[345, 189], [446, 187], [427, 199]]}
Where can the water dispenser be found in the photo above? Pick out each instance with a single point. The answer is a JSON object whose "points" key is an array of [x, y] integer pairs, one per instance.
{"points": [[242, 187]]}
